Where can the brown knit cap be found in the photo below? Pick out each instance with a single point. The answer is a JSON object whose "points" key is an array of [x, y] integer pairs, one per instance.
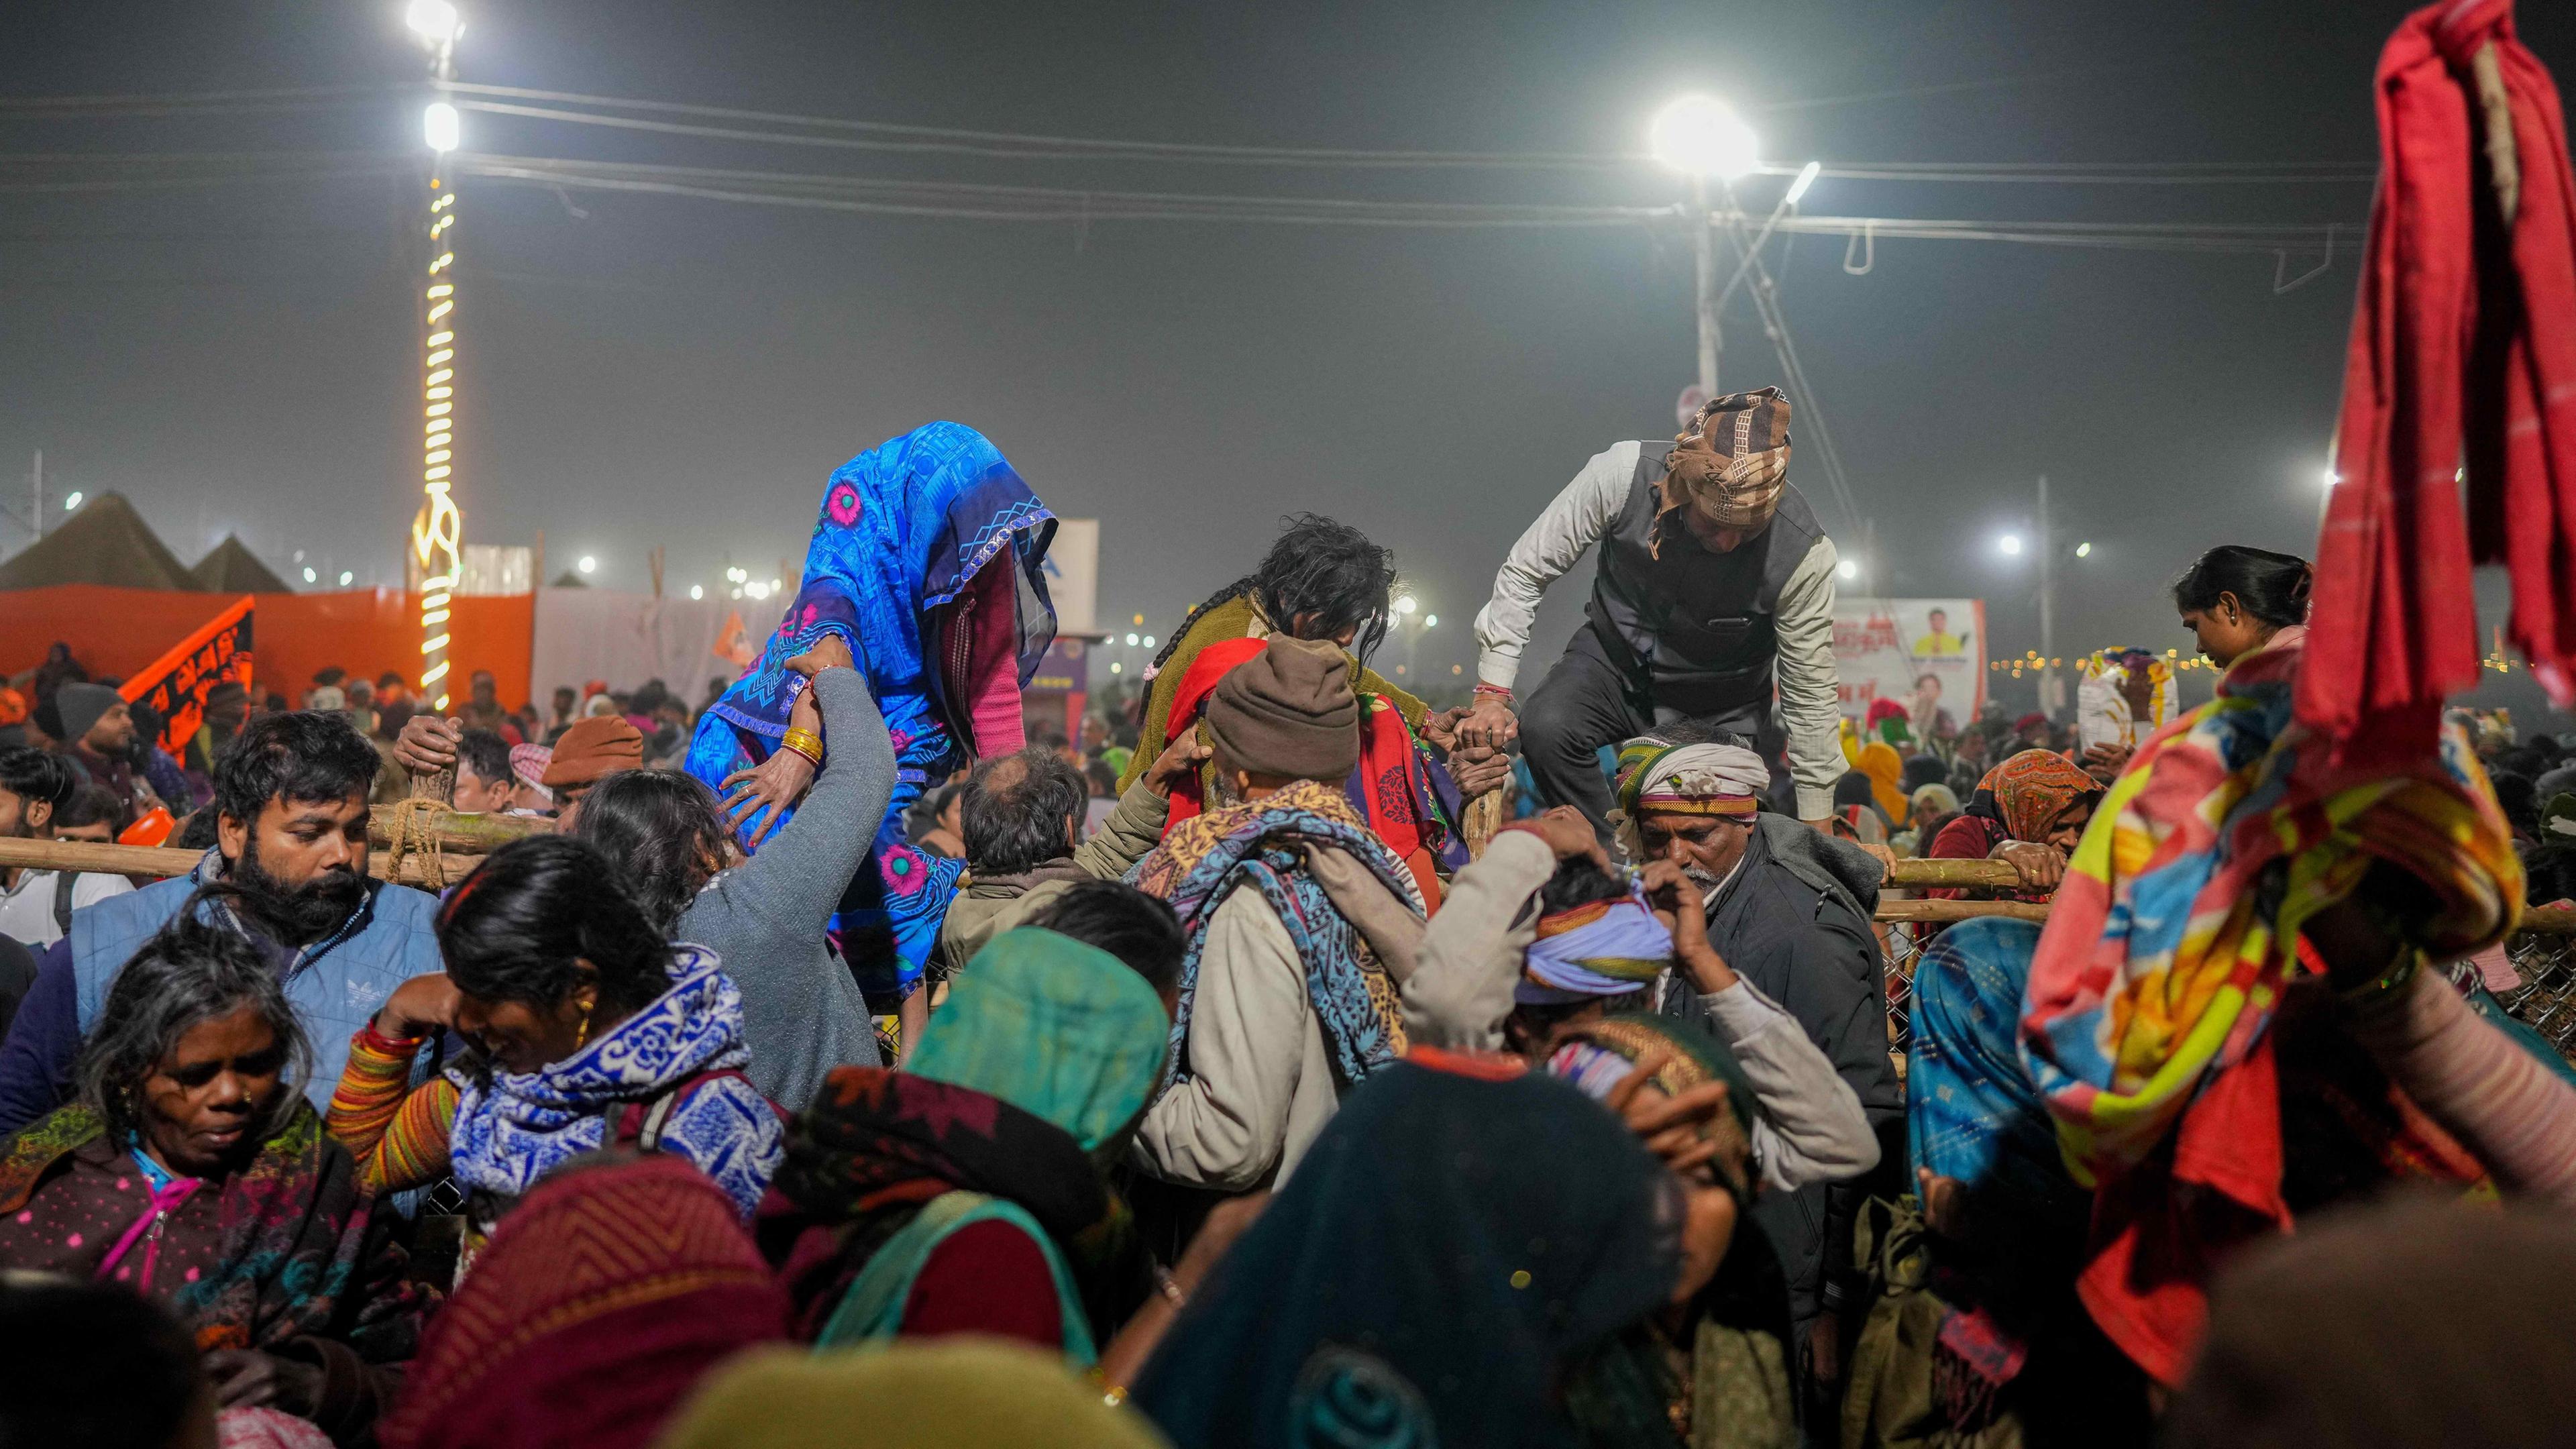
{"points": [[1288, 710], [1733, 458], [598, 746]]}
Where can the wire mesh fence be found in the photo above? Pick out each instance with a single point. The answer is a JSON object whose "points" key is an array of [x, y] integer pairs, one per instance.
{"points": [[2545, 1000]]}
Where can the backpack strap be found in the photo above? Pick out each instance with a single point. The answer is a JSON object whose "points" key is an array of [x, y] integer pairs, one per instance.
{"points": [[63, 899]]}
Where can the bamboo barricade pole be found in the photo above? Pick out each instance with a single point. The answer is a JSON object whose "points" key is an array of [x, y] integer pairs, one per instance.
{"points": [[1484, 817], [457, 834], [83, 855], [1918, 874]]}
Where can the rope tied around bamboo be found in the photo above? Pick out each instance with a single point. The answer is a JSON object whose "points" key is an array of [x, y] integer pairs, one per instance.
{"points": [[413, 828]]}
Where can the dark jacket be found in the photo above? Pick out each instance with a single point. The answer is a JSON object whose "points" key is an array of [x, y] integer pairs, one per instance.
{"points": [[1794, 921]]}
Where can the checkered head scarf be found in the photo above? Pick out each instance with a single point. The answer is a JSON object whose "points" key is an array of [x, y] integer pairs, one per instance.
{"points": [[1730, 462]]}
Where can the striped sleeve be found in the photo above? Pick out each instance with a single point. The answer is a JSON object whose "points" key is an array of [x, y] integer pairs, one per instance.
{"points": [[398, 1135]]}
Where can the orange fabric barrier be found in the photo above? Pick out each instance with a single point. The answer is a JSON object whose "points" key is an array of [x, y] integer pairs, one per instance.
{"points": [[365, 631]]}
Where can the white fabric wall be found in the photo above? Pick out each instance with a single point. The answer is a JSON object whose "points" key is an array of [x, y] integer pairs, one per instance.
{"points": [[625, 639]]}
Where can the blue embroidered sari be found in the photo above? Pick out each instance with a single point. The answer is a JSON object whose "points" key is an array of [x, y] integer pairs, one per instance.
{"points": [[904, 529]]}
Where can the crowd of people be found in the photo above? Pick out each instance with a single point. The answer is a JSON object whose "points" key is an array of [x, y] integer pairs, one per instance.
{"points": [[1283, 1061]]}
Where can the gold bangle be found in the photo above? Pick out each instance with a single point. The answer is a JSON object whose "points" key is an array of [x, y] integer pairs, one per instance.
{"points": [[806, 743]]}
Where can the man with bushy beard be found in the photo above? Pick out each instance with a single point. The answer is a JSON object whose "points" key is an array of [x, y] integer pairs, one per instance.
{"points": [[291, 803], [1788, 908]]}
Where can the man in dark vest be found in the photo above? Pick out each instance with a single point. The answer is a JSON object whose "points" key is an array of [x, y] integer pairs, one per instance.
{"points": [[1714, 592]]}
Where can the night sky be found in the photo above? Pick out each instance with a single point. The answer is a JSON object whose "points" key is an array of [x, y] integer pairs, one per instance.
{"points": [[653, 370]]}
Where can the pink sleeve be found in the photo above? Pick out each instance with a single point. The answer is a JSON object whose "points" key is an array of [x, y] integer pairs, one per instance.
{"points": [[2508, 1109], [992, 661]]}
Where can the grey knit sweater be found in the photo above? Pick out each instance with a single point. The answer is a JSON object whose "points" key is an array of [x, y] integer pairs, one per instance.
{"points": [[802, 1013]]}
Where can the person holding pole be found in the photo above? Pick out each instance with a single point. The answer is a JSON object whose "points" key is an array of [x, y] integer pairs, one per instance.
{"points": [[1714, 594]]}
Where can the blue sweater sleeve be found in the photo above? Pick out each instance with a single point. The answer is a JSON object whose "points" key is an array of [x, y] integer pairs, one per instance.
{"points": [[36, 1060]]}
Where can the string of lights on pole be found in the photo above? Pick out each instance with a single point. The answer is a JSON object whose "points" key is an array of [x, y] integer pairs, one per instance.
{"points": [[438, 531]]}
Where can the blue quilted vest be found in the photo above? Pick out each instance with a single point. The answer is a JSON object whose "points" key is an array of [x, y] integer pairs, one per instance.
{"points": [[335, 984]]}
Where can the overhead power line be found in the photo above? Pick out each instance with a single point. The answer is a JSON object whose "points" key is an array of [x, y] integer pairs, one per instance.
{"points": [[72, 172], [763, 127], [989, 201]]}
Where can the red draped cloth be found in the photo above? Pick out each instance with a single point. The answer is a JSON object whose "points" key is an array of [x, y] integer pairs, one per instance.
{"points": [[2463, 351], [1389, 788]]}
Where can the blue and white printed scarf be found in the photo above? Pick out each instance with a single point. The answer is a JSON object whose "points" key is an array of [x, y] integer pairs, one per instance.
{"points": [[516, 1127]]}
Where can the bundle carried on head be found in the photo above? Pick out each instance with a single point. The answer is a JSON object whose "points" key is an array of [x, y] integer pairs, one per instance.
{"points": [[1730, 463]]}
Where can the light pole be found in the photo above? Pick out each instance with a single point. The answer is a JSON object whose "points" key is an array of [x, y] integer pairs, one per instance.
{"points": [[2049, 693], [438, 530], [2052, 696], [1701, 138]]}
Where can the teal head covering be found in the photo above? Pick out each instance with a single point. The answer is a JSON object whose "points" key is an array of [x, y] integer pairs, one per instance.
{"points": [[1054, 1027]]}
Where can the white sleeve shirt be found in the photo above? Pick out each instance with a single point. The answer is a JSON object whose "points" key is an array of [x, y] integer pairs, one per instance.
{"points": [[1810, 685], [27, 910]]}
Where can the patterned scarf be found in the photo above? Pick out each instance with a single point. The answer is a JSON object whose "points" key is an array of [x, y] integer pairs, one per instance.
{"points": [[903, 531], [2028, 792], [516, 1127], [1405, 796], [295, 1241], [1260, 843], [1731, 461], [2179, 920], [1600, 948], [876, 1145]]}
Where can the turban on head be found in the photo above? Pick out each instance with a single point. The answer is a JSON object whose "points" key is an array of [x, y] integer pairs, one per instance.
{"points": [[528, 763], [1690, 779], [1600, 948], [1732, 461], [1655, 778]]}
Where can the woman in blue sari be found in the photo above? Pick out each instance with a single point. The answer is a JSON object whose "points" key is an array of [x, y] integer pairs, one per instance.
{"points": [[927, 558]]}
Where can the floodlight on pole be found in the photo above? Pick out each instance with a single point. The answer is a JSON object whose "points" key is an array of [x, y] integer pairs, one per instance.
{"points": [[1406, 604], [1847, 570], [1701, 136], [433, 21], [441, 127], [74, 501], [2010, 543], [1807, 175]]}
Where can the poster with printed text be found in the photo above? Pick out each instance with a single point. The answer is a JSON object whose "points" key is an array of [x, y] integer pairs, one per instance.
{"points": [[1927, 654], [176, 684]]}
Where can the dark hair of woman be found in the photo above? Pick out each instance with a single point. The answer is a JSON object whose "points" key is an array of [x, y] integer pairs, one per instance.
{"points": [[1125, 922], [517, 928], [664, 834], [189, 972], [95, 1364], [1320, 568], [2273, 587]]}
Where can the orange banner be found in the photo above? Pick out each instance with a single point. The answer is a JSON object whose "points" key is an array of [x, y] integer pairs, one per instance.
{"points": [[175, 685], [121, 632]]}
